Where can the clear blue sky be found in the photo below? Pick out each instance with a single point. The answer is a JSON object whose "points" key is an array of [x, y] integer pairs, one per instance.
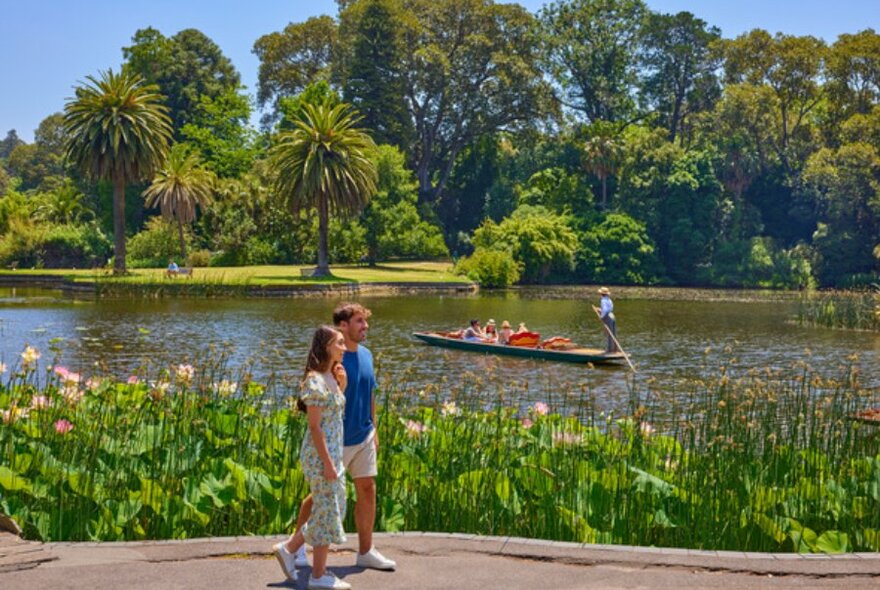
{"points": [[47, 46]]}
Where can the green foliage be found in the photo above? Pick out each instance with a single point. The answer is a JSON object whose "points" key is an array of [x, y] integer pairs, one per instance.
{"points": [[489, 268], [47, 245], [392, 224], [759, 262], [590, 48], [541, 242], [187, 67], [618, 250], [156, 245], [756, 463], [292, 59], [220, 131], [373, 79]]}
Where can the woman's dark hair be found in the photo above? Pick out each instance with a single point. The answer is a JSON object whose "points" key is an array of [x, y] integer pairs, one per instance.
{"points": [[318, 359]]}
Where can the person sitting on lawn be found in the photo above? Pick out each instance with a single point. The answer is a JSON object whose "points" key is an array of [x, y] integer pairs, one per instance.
{"points": [[173, 269]]}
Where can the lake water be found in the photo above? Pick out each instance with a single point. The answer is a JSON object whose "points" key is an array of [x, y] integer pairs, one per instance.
{"points": [[679, 332]]}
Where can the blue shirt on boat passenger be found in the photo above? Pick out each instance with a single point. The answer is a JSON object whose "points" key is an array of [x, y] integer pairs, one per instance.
{"points": [[358, 421]]}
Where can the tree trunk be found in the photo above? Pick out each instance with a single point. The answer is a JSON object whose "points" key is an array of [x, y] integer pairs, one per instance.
{"points": [[182, 242], [323, 269], [604, 193], [119, 226]]}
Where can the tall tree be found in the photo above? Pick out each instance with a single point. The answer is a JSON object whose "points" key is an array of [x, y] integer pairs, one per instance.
{"points": [[680, 62], [9, 143], [471, 70], [292, 59], [792, 67], [325, 163], [41, 164], [589, 49], [180, 186], [372, 68], [854, 72], [118, 130], [186, 67]]}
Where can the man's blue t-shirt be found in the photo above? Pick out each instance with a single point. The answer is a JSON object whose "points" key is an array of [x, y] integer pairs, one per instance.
{"points": [[358, 421]]}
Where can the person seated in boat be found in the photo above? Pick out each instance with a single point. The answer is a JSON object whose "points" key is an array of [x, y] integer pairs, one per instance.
{"points": [[505, 333], [491, 335], [522, 328], [474, 333]]}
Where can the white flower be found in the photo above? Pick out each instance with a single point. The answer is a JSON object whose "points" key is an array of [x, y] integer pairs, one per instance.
{"points": [[646, 429], [184, 373], [226, 388], [30, 355], [567, 438], [2, 368], [450, 409], [40, 402], [159, 390]]}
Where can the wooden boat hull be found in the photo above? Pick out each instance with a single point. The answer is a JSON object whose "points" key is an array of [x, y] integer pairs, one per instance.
{"points": [[576, 355]]}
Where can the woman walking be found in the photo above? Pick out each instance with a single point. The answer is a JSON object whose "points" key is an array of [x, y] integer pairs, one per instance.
{"points": [[323, 401]]}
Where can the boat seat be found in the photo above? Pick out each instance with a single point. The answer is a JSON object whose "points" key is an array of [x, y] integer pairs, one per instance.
{"points": [[530, 339]]}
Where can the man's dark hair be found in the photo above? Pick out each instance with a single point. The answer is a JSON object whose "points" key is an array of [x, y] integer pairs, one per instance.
{"points": [[345, 311], [475, 321]]}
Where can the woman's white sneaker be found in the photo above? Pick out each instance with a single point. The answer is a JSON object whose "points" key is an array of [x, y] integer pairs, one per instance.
{"points": [[328, 582], [300, 558], [375, 560], [286, 560]]}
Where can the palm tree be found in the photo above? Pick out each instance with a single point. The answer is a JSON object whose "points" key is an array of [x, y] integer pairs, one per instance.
{"points": [[324, 163], [602, 154], [118, 130], [178, 188]]}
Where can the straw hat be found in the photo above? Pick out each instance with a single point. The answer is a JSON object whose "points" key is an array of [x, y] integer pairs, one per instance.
{"points": [[604, 291], [491, 322], [505, 324]]}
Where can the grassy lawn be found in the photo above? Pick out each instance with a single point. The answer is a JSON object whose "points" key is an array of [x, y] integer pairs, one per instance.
{"points": [[389, 272]]}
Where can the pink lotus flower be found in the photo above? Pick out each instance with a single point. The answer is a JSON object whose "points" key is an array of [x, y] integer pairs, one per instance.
{"points": [[63, 426], [414, 429], [133, 380], [67, 376], [541, 409], [40, 402], [93, 384], [72, 394], [566, 438], [2, 368], [526, 423]]}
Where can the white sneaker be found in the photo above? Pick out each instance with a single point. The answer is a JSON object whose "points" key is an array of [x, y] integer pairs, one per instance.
{"points": [[286, 560], [375, 560], [328, 582], [300, 558]]}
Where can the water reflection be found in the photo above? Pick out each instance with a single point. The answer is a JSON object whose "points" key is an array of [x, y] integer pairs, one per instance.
{"points": [[680, 335]]}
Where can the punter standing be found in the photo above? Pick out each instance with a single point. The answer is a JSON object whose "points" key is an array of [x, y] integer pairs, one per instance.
{"points": [[606, 314]]}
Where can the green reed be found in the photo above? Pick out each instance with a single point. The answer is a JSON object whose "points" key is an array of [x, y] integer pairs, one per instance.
{"points": [[858, 310], [743, 460]]}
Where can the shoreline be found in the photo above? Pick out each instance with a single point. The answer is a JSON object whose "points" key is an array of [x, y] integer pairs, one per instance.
{"points": [[187, 288]]}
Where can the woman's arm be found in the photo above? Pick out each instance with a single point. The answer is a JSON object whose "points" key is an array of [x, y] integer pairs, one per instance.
{"points": [[313, 413]]}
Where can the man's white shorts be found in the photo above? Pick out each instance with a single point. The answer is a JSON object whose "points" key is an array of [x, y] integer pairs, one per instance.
{"points": [[360, 459]]}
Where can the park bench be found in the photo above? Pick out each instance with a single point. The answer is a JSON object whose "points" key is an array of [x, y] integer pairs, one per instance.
{"points": [[180, 272]]}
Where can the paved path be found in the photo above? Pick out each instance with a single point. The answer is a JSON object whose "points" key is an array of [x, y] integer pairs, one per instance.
{"points": [[428, 561]]}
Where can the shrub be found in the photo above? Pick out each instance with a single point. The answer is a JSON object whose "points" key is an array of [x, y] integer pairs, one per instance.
{"points": [[158, 243], [489, 268], [199, 258], [53, 246]]}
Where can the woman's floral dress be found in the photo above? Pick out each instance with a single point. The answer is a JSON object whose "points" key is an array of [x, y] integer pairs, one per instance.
{"points": [[325, 524]]}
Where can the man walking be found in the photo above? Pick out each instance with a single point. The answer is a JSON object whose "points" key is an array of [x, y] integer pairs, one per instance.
{"points": [[361, 443]]}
